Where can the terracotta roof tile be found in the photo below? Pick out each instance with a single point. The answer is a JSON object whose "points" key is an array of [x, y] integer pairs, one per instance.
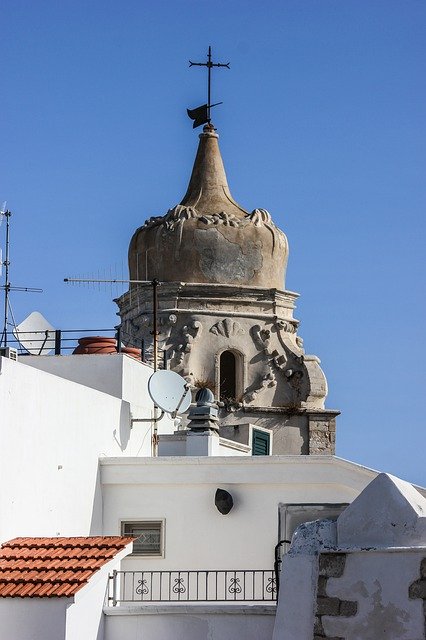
{"points": [[53, 567]]}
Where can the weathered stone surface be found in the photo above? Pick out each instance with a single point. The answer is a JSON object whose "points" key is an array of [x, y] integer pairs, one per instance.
{"points": [[322, 584], [332, 565], [418, 589], [328, 606], [310, 538], [198, 322], [348, 608], [209, 237], [318, 628], [221, 270]]}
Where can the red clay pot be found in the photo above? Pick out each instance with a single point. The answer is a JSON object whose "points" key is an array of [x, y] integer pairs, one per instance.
{"points": [[104, 346]]}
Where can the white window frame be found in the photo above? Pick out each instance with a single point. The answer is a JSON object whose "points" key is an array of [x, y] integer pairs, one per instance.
{"points": [[136, 521]]}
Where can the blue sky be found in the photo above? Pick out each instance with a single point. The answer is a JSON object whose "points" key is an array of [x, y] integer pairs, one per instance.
{"points": [[323, 124]]}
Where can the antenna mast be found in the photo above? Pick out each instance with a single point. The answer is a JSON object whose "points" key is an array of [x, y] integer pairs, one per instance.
{"points": [[7, 287]]}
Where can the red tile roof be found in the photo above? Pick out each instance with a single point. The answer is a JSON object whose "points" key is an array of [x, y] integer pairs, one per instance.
{"points": [[52, 567]]}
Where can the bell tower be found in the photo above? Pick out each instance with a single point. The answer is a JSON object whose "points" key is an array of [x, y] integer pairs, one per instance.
{"points": [[225, 318]]}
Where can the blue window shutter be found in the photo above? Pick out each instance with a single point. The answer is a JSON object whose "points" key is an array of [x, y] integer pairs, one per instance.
{"points": [[261, 443]]}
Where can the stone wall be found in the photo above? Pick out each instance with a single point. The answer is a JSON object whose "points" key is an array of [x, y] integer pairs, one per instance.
{"points": [[362, 577], [331, 565]]}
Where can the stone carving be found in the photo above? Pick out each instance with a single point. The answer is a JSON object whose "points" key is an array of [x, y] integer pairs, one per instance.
{"points": [[287, 363], [263, 381], [261, 337], [180, 213], [166, 320], [227, 219], [189, 333], [259, 217], [173, 216], [287, 326], [227, 328], [299, 342]]}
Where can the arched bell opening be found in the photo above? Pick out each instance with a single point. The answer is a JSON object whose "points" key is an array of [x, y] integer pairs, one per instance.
{"points": [[230, 376]]}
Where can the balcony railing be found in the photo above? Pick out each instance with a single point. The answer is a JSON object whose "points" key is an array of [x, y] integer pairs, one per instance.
{"points": [[64, 341], [192, 586]]}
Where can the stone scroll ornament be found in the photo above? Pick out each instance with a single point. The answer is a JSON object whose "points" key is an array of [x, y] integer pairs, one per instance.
{"points": [[182, 344], [288, 364]]}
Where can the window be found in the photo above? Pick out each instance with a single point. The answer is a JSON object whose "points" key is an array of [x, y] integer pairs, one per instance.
{"points": [[150, 536], [261, 443], [227, 379]]}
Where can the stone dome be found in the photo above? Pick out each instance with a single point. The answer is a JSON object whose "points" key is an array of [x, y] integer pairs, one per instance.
{"points": [[208, 237]]}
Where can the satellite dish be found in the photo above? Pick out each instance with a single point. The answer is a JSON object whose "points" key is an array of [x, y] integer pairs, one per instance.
{"points": [[35, 334], [169, 391]]}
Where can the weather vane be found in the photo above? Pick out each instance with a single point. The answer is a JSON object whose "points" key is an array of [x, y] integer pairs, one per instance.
{"points": [[201, 115]]}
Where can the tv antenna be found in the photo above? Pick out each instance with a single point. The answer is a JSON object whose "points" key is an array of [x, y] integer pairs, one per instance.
{"points": [[7, 287], [154, 283]]}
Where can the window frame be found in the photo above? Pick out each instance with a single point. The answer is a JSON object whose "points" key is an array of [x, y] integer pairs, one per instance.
{"points": [[138, 521], [240, 371]]}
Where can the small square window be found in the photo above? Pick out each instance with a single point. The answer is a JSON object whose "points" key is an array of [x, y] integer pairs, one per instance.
{"points": [[149, 541]]}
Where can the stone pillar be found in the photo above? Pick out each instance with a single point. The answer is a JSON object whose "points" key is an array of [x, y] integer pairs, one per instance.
{"points": [[322, 433]]}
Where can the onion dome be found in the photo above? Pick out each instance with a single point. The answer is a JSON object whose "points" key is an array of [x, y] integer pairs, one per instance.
{"points": [[208, 237]]}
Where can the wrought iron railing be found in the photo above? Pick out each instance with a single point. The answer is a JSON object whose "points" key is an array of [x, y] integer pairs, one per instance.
{"points": [[64, 341], [192, 586], [57, 341]]}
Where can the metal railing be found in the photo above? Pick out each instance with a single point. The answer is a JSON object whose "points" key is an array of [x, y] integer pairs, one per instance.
{"points": [[192, 586], [55, 341], [64, 341]]}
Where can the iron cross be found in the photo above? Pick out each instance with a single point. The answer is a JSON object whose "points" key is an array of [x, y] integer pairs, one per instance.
{"points": [[209, 64]]}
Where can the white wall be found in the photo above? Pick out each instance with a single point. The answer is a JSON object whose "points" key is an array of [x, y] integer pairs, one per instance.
{"points": [[117, 374], [85, 618], [33, 618], [182, 444], [52, 432], [191, 623], [197, 536]]}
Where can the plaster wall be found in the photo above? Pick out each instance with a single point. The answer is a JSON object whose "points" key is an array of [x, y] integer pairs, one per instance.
{"points": [[378, 581], [33, 618], [197, 536], [192, 623], [185, 443], [52, 432], [295, 610], [116, 374], [85, 617]]}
